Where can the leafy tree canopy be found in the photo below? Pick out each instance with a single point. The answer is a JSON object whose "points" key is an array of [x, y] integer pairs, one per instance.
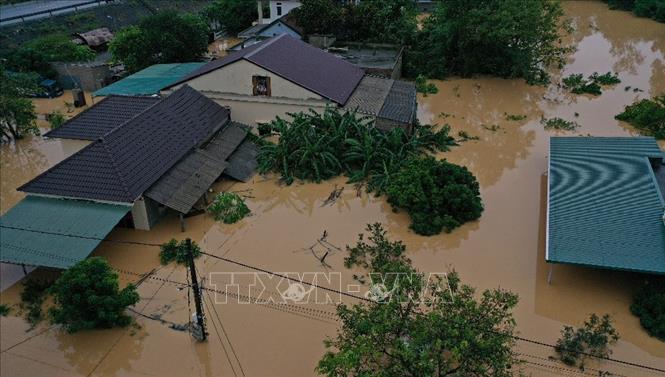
{"points": [[647, 115], [17, 114], [166, 37], [177, 251], [453, 332], [507, 38], [593, 338], [87, 296], [319, 16], [231, 15], [36, 55], [649, 306], [437, 194], [642, 8], [228, 207]]}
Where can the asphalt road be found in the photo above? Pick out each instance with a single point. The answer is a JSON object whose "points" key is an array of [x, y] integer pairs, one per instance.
{"points": [[29, 7]]}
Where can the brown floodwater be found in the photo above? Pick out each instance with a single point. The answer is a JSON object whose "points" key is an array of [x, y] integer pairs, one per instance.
{"points": [[505, 248]]}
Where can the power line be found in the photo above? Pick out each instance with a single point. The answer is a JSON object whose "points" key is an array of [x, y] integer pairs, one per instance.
{"points": [[347, 294]]}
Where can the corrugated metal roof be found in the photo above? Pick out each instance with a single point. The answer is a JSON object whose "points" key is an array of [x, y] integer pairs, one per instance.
{"points": [[604, 206], [47, 220], [122, 164], [243, 163], [384, 98], [150, 80], [103, 117], [299, 62], [401, 102]]}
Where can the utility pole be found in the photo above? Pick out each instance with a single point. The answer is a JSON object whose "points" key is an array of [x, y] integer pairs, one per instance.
{"points": [[199, 332]]}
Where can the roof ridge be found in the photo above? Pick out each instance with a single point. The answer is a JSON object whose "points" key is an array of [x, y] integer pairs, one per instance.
{"points": [[115, 167], [268, 43], [161, 99], [78, 115]]}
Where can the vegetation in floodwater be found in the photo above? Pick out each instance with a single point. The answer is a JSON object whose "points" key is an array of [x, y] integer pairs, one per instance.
{"points": [[654, 9], [88, 296], [264, 129], [4, 310], [56, 119], [33, 295], [577, 84], [422, 86], [493, 128], [318, 146], [647, 116], [437, 195], [649, 306], [557, 123], [593, 338], [514, 117], [464, 136], [177, 251], [397, 335], [228, 207], [445, 115]]}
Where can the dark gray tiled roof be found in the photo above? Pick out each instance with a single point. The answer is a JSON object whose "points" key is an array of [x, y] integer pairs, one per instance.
{"points": [[122, 164], [394, 100], [102, 117], [299, 62]]}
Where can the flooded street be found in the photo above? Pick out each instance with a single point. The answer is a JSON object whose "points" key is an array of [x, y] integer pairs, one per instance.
{"points": [[505, 248]]}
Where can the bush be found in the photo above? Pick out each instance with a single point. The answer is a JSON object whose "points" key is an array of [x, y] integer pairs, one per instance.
{"points": [[4, 310], [649, 306], [33, 295], [592, 85], [317, 147], [642, 8], [87, 296], [647, 115], [437, 195], [228, 207], [231, 15], [594, 339], [423, 87], [174, 251], [559, 124], [56, 119]]}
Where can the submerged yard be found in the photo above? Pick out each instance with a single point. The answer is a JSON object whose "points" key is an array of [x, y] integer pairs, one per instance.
{"points": [[505, 248]]}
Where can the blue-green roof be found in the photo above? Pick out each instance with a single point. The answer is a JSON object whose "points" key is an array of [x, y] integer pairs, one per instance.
{"points": [[149, 81], [33, 232], [605, 207]]}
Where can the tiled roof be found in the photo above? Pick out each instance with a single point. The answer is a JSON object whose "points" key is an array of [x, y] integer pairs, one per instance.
{"points": [[604, 205], [150, 80], [102, 117], [122, 164], [297, 61], [243, 163], [385, 98]]}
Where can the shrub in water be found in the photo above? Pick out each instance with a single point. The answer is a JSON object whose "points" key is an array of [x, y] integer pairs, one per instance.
{"points": [[594, 338], [649, 306], [647, 115], [228, 207], [177, 251]]}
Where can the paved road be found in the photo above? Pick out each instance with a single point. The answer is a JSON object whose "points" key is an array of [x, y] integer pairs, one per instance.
{"points": [[29, 7]]}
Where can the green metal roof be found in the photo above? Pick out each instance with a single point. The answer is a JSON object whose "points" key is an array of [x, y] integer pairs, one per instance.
{"points": [[605, 208], [150, 80], [51, 232]]}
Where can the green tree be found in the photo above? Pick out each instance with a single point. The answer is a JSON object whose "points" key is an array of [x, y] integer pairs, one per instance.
{"points": [[437, 195], [649, 306], [380, 21], [231, 15], [228, 207], [177, 251], [594, 338], [424, 327], [17, 114], [166, 37], [87, 296], [508, 38], [647, 116], [319, 16], [642, 8], [60, 48]]}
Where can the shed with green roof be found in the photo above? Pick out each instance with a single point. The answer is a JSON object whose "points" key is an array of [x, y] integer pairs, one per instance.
{"points": [[149, 81], [605, 205]]}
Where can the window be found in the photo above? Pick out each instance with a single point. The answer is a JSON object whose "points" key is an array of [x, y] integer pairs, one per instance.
{"points": [[279, 9], [261, 85]]}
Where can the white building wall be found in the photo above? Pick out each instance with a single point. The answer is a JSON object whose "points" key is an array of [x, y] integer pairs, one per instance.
{"points": [[285, 6]]}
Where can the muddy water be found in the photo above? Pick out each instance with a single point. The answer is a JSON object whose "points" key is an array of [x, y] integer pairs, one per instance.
{"points": [[504, 248]]}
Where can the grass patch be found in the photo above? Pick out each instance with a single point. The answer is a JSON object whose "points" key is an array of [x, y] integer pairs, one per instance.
{"points": [[647, 116], [577, 84], [228, 207], [177, 251], [422, 86], [559, 124]]}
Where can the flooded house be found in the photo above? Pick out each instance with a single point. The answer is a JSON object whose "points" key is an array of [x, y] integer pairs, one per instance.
{"points": [[284, 75], [147, 156], [259, 32], [606, 203]]}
